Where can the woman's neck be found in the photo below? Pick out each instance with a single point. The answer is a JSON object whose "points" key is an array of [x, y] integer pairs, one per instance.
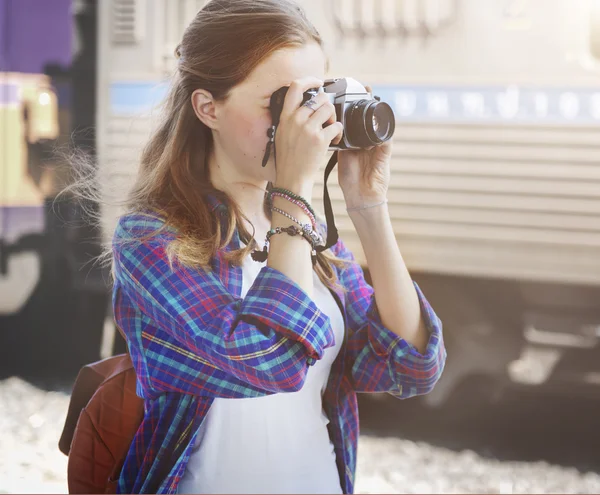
{"points": [[248, 194]]}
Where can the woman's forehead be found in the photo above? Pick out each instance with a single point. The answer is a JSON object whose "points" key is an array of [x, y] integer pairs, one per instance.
{"points": [[283, 66]]}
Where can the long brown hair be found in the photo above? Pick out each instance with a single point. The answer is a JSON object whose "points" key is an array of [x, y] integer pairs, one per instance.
{"points": [[223, 44]]}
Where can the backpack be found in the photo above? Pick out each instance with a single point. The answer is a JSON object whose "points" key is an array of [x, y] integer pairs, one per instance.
{"points": [[103, 416]]}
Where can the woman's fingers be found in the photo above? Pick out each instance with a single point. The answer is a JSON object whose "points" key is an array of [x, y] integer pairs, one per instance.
{"points": [[333, 133], [293, 98], [338, 139], [324, 115], [312, 106], [325, 118]]}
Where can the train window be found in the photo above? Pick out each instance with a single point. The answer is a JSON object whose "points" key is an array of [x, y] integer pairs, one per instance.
{"points": [[391, 18], [128, 20]]}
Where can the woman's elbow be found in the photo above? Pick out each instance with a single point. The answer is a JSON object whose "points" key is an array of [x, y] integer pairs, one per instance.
{"points": [[434, 373]]}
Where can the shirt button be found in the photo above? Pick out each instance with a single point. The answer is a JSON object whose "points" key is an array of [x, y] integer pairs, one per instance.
{"points": [[311, 361]]}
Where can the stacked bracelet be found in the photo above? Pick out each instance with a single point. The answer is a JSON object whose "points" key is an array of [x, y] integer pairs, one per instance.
{"points": [[309, 235], [289, 193], [308, 231], [293, 231], [292, 198], [304, 226], [302, 205]]}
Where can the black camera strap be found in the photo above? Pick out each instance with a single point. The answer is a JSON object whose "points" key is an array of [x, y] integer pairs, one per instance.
{"points": [[332, 232]]}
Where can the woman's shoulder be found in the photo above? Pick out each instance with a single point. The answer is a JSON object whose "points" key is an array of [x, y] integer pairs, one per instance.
{"points": [[142, 225]]}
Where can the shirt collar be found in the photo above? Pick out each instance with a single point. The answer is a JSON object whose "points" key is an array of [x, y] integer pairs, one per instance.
{"points": [[215, 203]]}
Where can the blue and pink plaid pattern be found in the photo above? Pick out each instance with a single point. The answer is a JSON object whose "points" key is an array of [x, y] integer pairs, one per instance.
{"points": [[192, 339]]}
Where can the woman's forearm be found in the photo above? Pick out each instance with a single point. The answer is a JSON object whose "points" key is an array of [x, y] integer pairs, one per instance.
{"points": [[395, 294], [291, 255]]}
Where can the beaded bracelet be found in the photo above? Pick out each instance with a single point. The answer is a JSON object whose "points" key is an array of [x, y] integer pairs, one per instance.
{"points": [[293, 231], [312, 224], [286, 192], [300, 205], [309, 235], [306, 226]]}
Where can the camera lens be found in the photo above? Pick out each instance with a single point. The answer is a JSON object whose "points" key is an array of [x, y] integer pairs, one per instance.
{"points": [[369, 122], [375, 124], [381, 117]]}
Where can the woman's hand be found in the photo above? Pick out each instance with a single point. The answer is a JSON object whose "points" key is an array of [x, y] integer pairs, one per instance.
{"points": [[364, 175], [301, 141]]}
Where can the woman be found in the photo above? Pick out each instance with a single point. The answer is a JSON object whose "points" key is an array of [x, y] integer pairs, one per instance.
{"points": [[249, 369]]}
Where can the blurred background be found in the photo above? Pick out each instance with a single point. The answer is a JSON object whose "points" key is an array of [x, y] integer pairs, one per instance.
{"points": [[495, 201]]}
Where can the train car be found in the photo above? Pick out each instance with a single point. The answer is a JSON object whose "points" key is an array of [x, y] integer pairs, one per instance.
{"points": [[495, 194], [52, 302], [28, 116]]}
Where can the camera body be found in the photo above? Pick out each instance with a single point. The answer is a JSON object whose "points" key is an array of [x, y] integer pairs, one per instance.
{"points": [[367, 121]]}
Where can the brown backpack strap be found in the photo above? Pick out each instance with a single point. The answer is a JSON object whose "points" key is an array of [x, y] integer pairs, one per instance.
{"points": [[105, 433], [87, 382]]}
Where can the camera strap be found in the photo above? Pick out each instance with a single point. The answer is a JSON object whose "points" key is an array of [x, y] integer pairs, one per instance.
{"points": [[332, 232]]}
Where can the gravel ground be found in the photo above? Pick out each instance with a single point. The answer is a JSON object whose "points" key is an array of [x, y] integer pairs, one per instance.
{"points": [[31, 420]]}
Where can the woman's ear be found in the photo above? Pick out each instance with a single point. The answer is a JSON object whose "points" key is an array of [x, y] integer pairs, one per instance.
{"points": [[205, 108]]}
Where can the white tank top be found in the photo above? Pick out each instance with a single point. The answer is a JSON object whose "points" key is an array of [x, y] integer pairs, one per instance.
{"points": [[273, 444]]}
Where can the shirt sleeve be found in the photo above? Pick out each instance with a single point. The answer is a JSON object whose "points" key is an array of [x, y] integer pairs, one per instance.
{"points": [[268, 339], [378, 359]]}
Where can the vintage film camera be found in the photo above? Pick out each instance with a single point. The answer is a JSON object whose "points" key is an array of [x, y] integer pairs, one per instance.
{"points": [[367, 121]]}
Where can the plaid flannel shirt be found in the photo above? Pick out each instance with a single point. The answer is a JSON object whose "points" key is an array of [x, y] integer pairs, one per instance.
{"points": [[192, 339]]}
